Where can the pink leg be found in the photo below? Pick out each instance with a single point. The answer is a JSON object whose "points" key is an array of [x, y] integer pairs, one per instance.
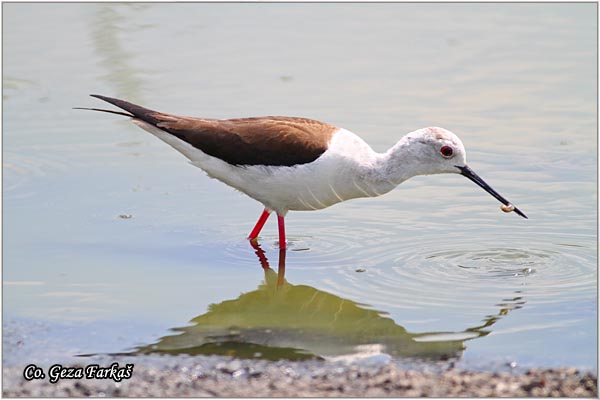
{"points": [[259, 225], [281, 225]]}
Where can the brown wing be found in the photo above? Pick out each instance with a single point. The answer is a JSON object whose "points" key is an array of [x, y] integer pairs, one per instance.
{"points": [[277, 141]]}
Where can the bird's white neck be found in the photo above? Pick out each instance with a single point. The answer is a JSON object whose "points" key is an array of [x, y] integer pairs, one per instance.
{"points": [[366, 172], [394, 166]]}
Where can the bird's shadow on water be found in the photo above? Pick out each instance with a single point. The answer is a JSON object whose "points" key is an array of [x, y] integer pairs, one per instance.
{"points": [[280, 320]]}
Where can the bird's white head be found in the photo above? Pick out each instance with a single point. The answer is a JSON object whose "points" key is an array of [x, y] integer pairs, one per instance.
{"points": [[435, 151]]}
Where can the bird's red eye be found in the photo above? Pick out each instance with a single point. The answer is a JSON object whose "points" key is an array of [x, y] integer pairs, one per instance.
{"points": [[446, 151]]}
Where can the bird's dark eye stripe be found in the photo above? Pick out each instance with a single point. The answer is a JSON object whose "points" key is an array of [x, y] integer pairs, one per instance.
{"points": [[446, 151]]}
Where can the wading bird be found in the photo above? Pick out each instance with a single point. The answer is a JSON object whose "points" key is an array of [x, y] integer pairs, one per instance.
{"points": [[299, 164]]}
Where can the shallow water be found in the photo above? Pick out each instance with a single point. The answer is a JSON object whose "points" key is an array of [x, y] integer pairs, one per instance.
{"points": [[114, 244]]}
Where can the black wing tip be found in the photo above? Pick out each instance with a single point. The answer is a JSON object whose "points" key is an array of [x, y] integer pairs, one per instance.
{"points": [[103, 110], [135, 111], [111, 100]]}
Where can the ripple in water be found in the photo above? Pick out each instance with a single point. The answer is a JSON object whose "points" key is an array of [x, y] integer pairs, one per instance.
{"points": [[492, 263], [410, 270], [312, 252], [453, 273]]}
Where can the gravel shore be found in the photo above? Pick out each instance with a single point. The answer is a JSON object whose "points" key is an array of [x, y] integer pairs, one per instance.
{"points": [[225, 377]]}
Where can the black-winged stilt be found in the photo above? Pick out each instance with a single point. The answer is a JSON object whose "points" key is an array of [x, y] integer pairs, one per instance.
{"points": [[299, 164]]}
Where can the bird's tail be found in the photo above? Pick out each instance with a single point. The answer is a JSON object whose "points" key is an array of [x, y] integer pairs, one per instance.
{"points": [[133, 110]]}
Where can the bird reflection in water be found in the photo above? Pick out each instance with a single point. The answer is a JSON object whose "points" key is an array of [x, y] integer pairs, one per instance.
{"points": [[280, 320]]}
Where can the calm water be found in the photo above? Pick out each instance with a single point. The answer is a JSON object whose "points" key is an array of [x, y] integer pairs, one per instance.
{"points": [[114, 244]]}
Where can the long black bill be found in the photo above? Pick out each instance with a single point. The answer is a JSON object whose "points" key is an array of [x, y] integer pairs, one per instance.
{"points": [[469, 173]]}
